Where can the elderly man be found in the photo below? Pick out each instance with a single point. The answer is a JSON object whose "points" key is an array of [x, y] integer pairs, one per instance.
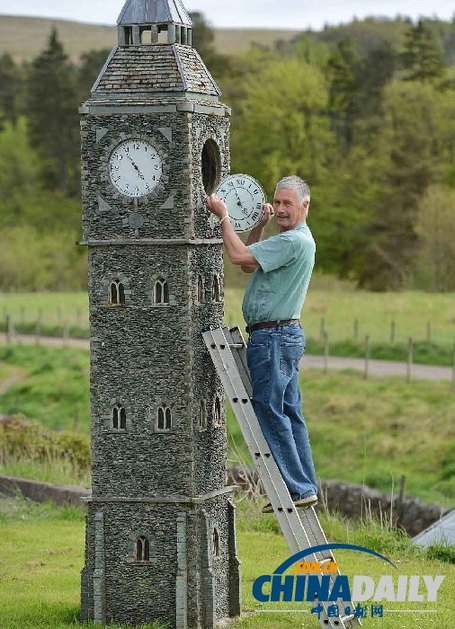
{"points": [[281, 267]]}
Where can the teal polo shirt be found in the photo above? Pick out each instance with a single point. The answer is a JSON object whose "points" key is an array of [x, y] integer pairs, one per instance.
{"points": [[278, 288]]}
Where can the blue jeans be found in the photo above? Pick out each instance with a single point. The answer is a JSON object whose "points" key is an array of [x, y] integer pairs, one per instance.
{"points": [[273, 356]]}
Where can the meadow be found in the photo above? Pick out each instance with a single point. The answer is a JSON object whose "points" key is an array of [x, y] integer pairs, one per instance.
{"points": [[345, 315], [365, 431], [41, 550]]}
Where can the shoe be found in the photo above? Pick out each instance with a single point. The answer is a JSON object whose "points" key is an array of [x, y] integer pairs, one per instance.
{"points": [[301, 503], [308, 501]]}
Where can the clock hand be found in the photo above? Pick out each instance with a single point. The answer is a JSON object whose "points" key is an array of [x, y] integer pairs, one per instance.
{"points": [[136, 167]]}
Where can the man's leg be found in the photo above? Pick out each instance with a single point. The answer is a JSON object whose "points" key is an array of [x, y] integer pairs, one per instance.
{"points": [[292, 407], [270, 379]]}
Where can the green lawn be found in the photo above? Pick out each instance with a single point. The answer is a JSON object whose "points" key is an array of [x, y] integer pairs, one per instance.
{"points": [[41, 555], [365, 431], [328, 303]]}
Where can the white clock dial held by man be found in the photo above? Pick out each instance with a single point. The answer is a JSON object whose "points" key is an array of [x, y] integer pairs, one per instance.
{"points": [[244, 198], [135, 168]]}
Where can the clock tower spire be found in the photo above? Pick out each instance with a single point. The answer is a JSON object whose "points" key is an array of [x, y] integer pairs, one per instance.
{"points": [[160, 534]]}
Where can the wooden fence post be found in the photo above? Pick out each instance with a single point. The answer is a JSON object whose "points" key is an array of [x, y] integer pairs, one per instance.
{"points": [[37, 332], [356, 329], [65, 334], [429, 332], [367, 356], [410, 359], [326, 352], [9, 329], [392, 331], [322, 329]]}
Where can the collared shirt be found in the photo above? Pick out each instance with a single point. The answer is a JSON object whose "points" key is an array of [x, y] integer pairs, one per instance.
{"points": [[278, 288]]}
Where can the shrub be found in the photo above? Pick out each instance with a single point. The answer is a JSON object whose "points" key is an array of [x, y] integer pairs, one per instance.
{"points": [[21, 439]]}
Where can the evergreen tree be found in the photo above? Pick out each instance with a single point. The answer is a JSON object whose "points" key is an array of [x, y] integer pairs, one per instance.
{"points": [[422, 58], [10, 85], [405, 168], [204, 42], [53, 122], [90, 66], [343, 92]]}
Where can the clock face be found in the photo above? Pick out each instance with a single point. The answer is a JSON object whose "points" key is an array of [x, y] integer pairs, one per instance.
{"points": [[135, 168], [244, 198]]}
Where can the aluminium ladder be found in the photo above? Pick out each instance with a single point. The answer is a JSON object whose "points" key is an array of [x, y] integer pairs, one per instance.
{"points": [[300, 527]]}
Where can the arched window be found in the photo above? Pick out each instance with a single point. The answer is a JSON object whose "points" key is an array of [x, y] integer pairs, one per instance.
{"points": [[215, 543], [202, 416], [119, 417], [117, 293], [164, 418], [142, 549], [217, 412], [161, 292], [200, 289], [216, 293]]}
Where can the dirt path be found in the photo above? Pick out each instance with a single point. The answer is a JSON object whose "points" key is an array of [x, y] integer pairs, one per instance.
{"points": [[383, 368]]}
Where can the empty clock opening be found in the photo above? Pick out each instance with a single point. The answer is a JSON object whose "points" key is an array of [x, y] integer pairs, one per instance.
{"points": [[211, 166]]}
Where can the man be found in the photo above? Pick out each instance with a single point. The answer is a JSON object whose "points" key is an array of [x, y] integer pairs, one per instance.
{"points": [[281, 267]]}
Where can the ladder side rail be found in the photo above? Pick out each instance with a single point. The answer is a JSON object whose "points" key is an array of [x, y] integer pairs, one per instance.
{"points": [[314, 530], [235, 386], [236, 338], [257, 445]]}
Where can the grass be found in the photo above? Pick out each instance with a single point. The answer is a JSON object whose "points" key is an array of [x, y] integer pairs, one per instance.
{"points": [[345, 314], [42, 546], [53, 387], [364, 431]]}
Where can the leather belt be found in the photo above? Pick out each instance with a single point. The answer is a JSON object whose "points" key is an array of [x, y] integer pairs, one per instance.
{"points": [[271, 324]]}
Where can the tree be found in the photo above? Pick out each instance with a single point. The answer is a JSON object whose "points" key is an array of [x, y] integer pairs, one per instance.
{"points": [[90, 66], [435, 227], [282, 127], [10, 85], [405, 168], [343, 100], [204, 42], [423, 58], [53, 122]]}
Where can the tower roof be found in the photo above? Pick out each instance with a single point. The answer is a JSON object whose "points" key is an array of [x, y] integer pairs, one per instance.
{"points": [[138, 73], [154, 12]]}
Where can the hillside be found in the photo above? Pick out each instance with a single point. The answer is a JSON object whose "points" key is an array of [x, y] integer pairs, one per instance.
{"points": [[25, 37]]}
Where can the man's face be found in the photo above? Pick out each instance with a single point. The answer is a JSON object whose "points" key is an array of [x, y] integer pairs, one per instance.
{"points": [[287, 210]]}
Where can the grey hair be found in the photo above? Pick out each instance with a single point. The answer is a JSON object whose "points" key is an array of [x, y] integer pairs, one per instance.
{"points": [[298, 185]]}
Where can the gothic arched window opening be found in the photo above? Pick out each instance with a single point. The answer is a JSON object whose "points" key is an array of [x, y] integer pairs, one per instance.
{"points": [[142, 549], [117, 293], [202, 416], [216, 292], [119, 417], [217, 412], [164, 418], [215, 543], [200, 289], [161, 292]]}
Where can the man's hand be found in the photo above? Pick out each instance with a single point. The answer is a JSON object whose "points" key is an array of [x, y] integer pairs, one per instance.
{"points": [[267, 215], [216, 206]]}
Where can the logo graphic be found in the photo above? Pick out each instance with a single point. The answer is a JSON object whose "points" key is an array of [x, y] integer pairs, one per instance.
{"points": [[320, 582]]}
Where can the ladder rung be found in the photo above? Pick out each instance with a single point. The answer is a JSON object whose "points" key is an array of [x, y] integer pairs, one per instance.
{"points": [[348, 618], [300, 527]]}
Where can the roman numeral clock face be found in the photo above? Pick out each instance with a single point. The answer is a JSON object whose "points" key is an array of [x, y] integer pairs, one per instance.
{"points": [[135, 168], [244, 198]]}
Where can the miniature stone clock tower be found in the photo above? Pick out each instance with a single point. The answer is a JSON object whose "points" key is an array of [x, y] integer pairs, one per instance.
{"points": [[160, 536]]}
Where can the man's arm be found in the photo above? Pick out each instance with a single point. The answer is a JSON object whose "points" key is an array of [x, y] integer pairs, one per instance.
{"points": [[237, 251], [257, 233]]}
